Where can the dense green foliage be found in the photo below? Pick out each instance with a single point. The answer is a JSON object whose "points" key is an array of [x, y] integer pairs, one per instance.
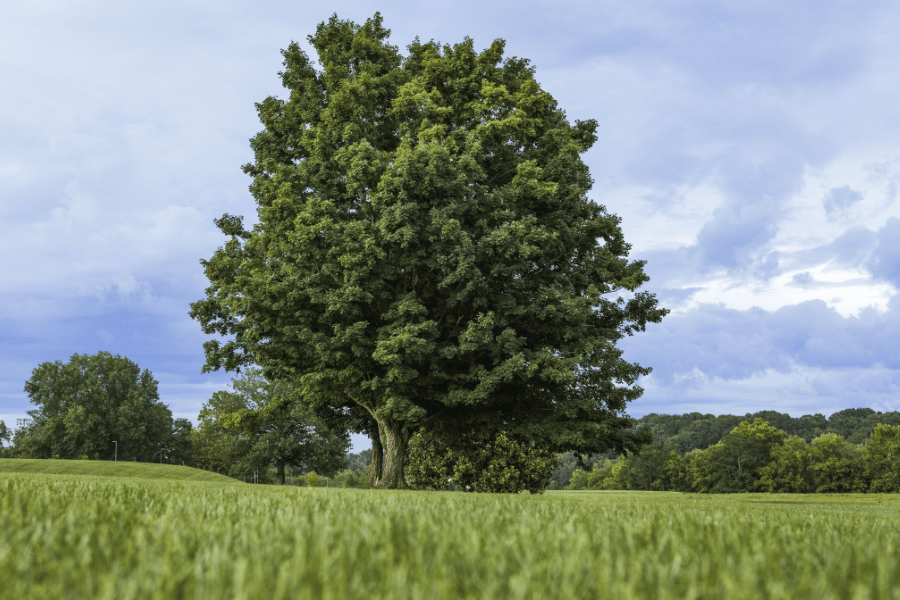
{"points": [[106, 539], [697, 431], [756, 457], [259, 424], [356, 471], [86, 404], [349, 478], [180, 449], [426, 253], [5, 437], [106, 468], [498, 465]]}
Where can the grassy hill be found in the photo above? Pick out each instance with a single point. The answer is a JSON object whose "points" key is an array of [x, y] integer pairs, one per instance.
{"points": [[105, 468]]}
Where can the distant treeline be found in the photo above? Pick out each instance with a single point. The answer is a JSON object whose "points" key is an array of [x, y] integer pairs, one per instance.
{"points": [[853, 450]]}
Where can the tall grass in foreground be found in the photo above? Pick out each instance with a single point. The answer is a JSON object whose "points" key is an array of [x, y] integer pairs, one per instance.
{"points": [[92, 537]]}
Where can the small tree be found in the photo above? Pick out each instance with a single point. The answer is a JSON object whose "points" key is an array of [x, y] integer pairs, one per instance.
{"points": [[262, 422], [313, 480], [216, 448]]}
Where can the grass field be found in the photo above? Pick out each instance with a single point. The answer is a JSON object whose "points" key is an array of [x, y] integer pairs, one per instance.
{"points": [[108, 469], [81, 536]]}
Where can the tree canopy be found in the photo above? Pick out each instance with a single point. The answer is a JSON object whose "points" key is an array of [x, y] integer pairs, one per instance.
{"points": [[753, 456], [258, 424], [692, 431], [426, 253], [89, 402]]}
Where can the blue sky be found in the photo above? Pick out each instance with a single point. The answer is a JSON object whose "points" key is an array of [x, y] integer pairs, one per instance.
{"points": [[752, 150]]}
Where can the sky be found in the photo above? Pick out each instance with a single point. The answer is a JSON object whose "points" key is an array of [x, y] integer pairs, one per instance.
{"points": [[751, 149]]}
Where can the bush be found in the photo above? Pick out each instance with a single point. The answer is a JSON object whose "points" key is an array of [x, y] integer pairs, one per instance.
{"points": [[499, 465], [349, 478], [342, 478], [313, 480]]}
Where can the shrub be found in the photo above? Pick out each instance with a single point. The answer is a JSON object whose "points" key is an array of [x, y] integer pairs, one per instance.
{"points": [[498, 465], [348, 478]]}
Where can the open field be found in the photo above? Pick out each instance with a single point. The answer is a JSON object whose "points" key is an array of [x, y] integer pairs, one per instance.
{"points": [[105, 468], [104, 537]]}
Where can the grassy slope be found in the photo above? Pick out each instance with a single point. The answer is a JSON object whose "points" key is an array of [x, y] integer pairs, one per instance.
{"points": [[109, 469]]}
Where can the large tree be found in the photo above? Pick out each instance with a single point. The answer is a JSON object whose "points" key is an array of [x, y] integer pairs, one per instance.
{"points": [[86, 404], [426, 252]]}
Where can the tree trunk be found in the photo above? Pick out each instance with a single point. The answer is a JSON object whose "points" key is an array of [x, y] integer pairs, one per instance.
{"points": [[375, 466], [394, 442], [280, 466]]}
